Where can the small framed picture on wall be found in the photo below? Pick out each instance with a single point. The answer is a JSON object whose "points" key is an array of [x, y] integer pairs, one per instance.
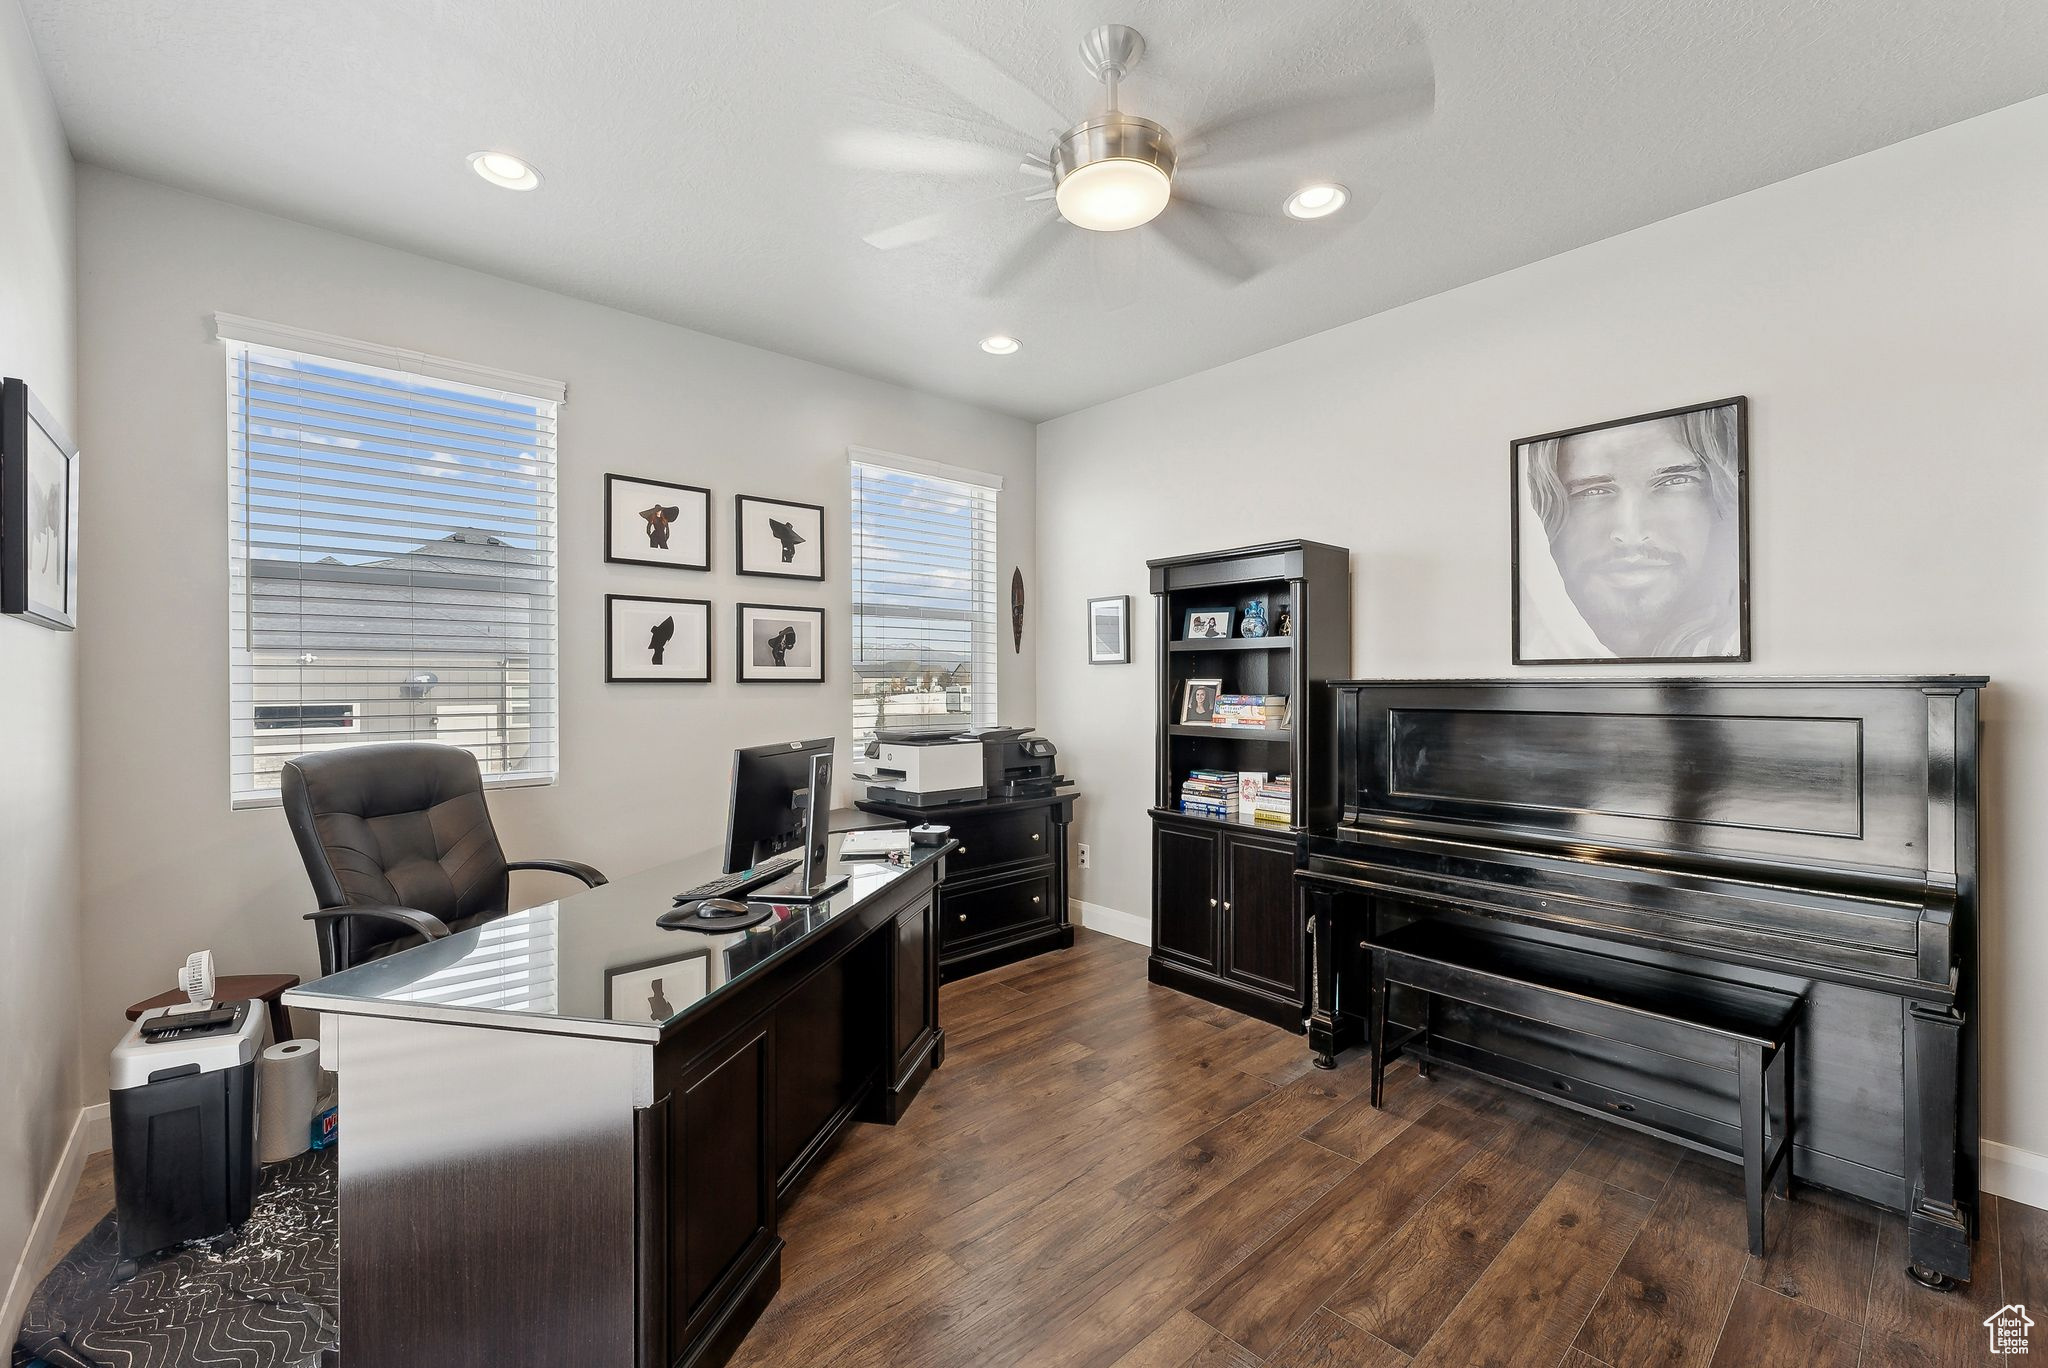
{"points": [[38, 512], [1109, 630], [778, 539], [654, 522], [656, 640], [780, 643]]}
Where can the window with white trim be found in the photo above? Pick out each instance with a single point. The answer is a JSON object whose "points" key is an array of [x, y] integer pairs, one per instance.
{"points": [[391, 558], [925, 620]]}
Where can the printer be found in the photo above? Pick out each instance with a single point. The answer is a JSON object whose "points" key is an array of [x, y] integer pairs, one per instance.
{"points": [[934, 768]]}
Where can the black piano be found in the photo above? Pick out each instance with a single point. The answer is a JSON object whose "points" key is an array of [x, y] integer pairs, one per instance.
{"points": [[1814, 836]]}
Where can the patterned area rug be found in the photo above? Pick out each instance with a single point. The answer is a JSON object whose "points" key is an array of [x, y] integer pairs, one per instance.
{"points": [[268, 1301]]}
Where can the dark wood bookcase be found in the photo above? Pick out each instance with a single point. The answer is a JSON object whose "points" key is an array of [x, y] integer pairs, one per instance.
{"points": [[1224, 926]]}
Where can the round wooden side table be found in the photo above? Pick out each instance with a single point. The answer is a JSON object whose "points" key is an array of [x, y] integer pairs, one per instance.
{"points": [[263, 988]]}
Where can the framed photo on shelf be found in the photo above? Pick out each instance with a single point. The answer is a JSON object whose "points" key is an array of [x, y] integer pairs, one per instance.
{"points": [[1109, 630], [654, 522], [778, 539], [656, 640], [1207, 624], [1198, 702], [656, 990], [1631, 539], [38, 512], [780, 644]]}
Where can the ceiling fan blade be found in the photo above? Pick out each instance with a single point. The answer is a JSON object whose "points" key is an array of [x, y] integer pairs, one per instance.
{"points": [[969, 74], [1192, 231], [1392, 100], [938, 224], [1029, 254], [875, 149]]}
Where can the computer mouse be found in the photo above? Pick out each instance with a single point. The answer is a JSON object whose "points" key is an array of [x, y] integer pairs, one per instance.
{"points": [[704, 909]]}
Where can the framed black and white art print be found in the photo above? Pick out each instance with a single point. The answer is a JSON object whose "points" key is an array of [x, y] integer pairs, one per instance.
{"points": [[38, 512], [778, 539], [1631, 539], [656, 640], [1109, 630], [654, 522], [777, 643]]}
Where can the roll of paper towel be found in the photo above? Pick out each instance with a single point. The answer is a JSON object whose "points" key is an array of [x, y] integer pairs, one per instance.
{"points": [[287, 1084]]}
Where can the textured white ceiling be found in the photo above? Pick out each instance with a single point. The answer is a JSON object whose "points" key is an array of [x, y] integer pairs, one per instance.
{"points": [[684, 147]]}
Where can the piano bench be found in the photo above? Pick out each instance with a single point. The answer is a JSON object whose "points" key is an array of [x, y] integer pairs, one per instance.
{"points": [[1738, 1028]]}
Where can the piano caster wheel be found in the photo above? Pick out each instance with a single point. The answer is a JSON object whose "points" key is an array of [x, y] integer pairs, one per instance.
{"points": [[1324, 1061], [1939, 1282]]}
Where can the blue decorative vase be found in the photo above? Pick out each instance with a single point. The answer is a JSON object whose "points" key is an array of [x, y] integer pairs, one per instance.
{"points": [[1254, 619]]}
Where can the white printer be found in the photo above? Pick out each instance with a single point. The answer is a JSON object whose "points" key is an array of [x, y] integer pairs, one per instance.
{"points": [[922, 769]]}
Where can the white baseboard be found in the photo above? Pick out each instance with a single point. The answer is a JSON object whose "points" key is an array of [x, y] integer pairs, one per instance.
{"points": [[91, 1132], [1109, 921], [2015, 1174]]}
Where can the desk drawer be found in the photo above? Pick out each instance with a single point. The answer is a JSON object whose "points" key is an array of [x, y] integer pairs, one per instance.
{"points": [[993, 909], [1001, 838]]}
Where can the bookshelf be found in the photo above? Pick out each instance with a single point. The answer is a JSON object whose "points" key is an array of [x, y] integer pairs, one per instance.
{"points": [[1223, 921]]}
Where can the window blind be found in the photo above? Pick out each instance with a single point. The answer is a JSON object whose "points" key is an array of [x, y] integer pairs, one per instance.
{"points": [[925, 618], [392, 562]]}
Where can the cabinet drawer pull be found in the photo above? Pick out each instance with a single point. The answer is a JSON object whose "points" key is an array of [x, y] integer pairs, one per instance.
{"points": [[961, 851], [1212, 902], [1226, 905], [963, 916], [1034, 835], [1034, 900]]}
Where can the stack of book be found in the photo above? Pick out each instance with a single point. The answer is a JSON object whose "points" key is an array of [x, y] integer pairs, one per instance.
{"points": [[1210, 793], [1250, 710], [1274, 805]]}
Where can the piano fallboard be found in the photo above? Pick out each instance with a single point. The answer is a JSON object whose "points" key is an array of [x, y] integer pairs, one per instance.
{"points": [[1815, 835]]}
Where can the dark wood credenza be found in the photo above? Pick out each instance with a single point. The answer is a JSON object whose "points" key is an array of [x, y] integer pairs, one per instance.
{"points": [[1005, 894], [1813, 837]]}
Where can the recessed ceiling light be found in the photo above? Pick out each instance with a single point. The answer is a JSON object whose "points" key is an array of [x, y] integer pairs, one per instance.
{"points": [[1316, 201], [1000, 345], [504, 169]]}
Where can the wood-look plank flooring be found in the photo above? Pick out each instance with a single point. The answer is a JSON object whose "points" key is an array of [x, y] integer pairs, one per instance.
{"points": [[1110, 1173]]}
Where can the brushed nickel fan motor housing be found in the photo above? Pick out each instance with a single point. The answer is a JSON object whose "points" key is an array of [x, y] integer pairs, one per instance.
{"points": [[1112, 136]]}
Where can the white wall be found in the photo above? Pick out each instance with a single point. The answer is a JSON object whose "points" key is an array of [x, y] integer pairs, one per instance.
{"points": [[38, 682], [168, 868], [1888, 319]]}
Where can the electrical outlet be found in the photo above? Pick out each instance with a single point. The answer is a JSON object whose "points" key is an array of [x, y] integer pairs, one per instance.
{"points": [[1084, 854]]}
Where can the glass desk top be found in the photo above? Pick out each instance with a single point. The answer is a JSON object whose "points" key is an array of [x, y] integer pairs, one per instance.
{"points": [[593, 963]]}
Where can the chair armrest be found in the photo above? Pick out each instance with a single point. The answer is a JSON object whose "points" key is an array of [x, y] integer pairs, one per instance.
{"points": [[424, 923], [574, 869]]}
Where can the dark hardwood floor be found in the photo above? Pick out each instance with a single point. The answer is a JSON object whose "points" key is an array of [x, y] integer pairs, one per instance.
{"points": [[1109, 1173]]}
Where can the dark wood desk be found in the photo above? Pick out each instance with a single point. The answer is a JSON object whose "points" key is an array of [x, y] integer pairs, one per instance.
{"points": [[566, 1134]]}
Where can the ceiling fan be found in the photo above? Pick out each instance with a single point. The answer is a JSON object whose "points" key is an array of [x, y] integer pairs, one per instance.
{"points": [[1116, 171]]}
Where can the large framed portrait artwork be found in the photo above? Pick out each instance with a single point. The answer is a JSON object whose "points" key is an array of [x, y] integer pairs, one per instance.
{"points": [[1631, 539]]}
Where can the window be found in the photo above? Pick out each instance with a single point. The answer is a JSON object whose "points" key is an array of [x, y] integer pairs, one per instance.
{"points": [[392, 556], [924, 595]]}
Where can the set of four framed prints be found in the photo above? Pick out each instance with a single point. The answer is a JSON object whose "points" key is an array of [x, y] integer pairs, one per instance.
{"points": [[657, 639]]}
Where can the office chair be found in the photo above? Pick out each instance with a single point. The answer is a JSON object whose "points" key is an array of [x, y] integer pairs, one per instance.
{"points": [[399, 845]]}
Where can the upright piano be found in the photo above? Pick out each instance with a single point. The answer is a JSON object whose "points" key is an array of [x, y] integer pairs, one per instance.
{"points": [[1817, 836]]}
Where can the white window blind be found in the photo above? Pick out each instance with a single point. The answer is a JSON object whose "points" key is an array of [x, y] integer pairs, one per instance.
{"points": [[925, 618], [392, 557]]}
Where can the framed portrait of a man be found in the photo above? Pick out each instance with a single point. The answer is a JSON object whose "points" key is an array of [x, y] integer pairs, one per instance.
{"points": [[1631, 539]]}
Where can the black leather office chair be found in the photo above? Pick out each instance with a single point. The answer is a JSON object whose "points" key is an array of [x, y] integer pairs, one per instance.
{"points": [[399, 845]]}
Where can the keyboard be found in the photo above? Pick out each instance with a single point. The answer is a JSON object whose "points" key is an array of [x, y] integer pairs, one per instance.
{"points": [[726, 885]]}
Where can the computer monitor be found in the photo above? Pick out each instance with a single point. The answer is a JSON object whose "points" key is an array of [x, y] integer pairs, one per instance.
{"points": [[769, 799]]}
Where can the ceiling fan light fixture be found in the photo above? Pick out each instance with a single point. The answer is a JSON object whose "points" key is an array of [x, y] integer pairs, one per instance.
{"points": [[1113, 172], [1000, 344], [1316, 201], [505, 170]]}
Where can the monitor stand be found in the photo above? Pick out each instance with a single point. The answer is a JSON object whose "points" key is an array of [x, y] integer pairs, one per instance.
{"points": [[813, 880]]}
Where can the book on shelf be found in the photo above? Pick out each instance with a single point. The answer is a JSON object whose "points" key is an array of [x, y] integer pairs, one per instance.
{"points": [[1262, 711]]}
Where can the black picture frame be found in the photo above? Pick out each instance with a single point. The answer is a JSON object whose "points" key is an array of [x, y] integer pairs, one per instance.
{"points": [[615, 554], [25, 425], [1739, 494], [1123, 608], [611, 674], [742, 656], [814, 534]]}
